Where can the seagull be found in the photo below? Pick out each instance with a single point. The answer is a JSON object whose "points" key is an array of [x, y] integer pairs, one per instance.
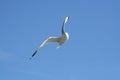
{"points": [[60, 40]]}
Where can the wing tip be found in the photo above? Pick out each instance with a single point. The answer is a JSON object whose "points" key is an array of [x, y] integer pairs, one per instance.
{"points": [[68, 17], [33, 55]]}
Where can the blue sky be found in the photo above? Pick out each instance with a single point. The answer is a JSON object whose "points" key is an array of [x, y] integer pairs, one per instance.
{"points": [[91, 53]]}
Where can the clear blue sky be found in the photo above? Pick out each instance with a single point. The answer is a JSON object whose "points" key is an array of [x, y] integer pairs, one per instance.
{"points": [[91, 53]]}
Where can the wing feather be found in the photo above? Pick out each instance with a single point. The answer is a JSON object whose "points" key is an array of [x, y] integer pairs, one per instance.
{"points": [[48, 40], [66, 20]]}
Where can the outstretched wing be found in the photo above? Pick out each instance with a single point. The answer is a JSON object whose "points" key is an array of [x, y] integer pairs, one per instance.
{"points": [[50, 39], [66, 19]]}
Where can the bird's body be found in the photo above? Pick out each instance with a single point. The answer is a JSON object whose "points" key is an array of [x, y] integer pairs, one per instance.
{"points": [[60, 40]]}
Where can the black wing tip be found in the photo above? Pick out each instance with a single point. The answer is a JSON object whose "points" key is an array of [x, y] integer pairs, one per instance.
{"points": [[33, 55], [68, 17]]}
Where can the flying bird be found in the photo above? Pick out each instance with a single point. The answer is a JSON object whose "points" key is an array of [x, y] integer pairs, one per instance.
{"points": [[60, 40]]}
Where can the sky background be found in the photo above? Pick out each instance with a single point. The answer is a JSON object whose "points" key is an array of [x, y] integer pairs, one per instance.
{"points": [[91, 53]]}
